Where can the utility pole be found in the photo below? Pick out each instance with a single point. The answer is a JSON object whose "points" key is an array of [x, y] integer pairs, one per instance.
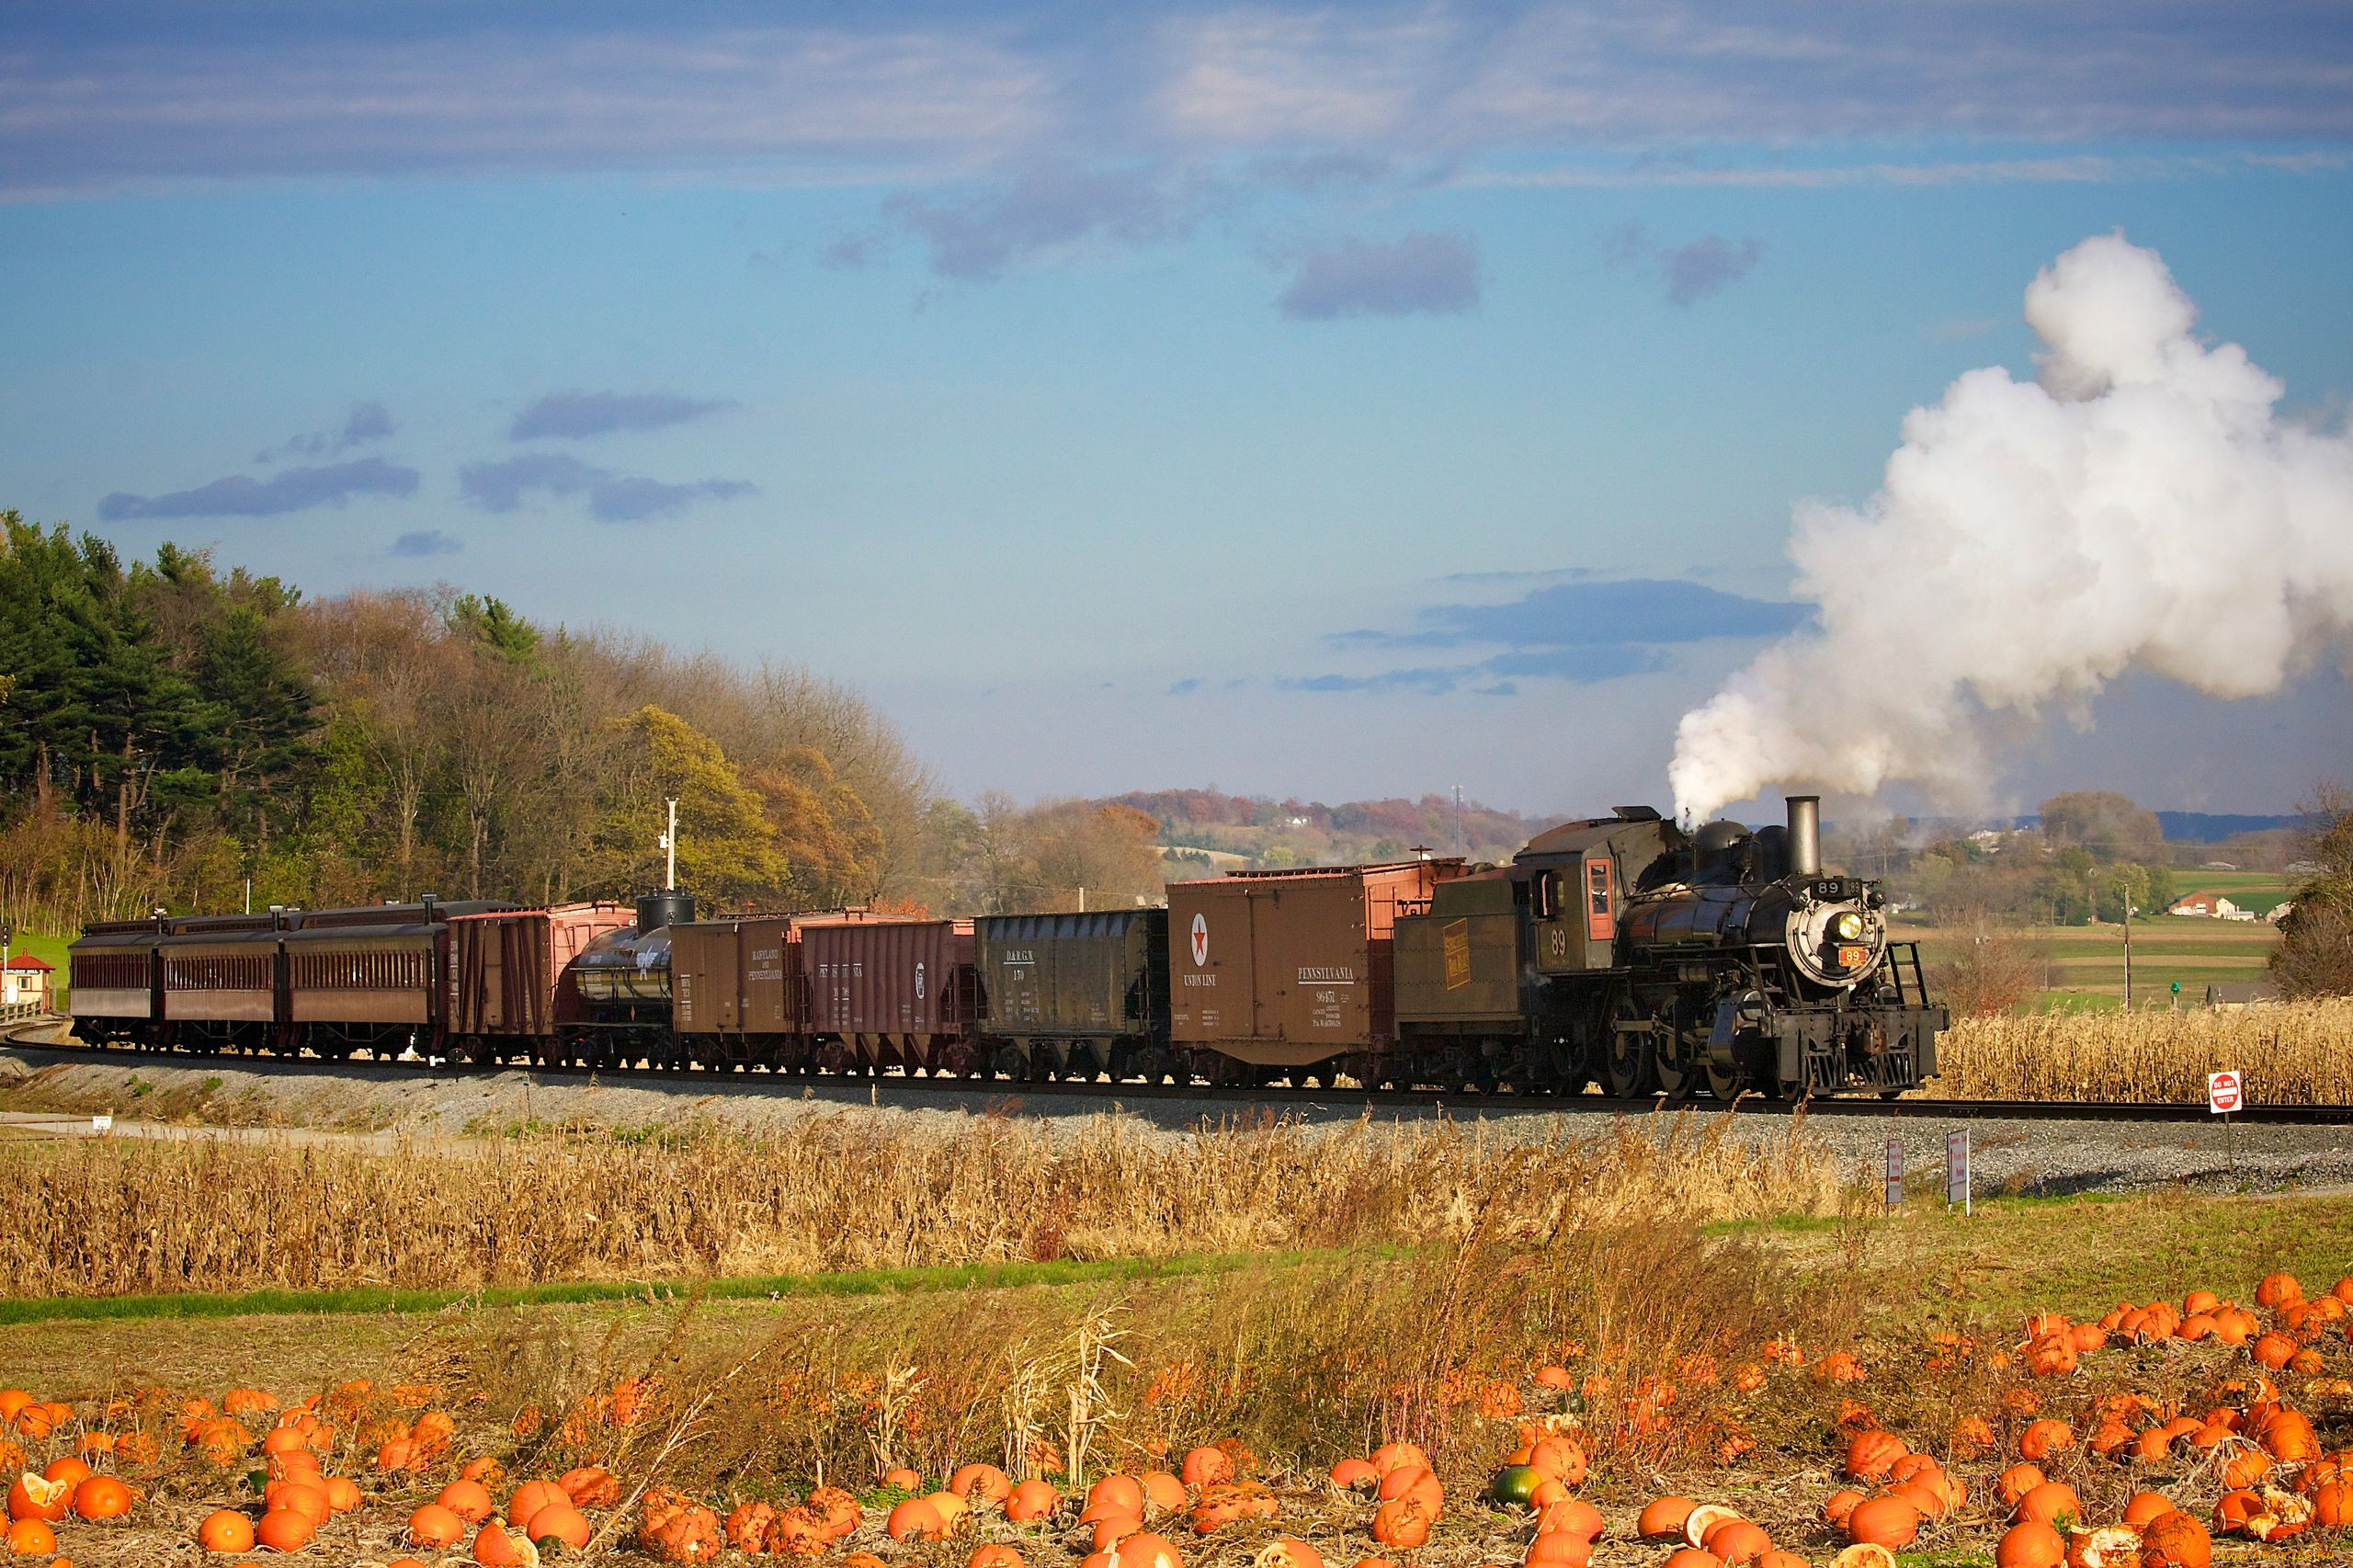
{"points": [[670, 851], [2124, 891], [1460, 848]]}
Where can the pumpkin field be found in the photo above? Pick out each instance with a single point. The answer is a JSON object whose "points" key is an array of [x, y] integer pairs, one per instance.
{"points": [[1660, 1345]]}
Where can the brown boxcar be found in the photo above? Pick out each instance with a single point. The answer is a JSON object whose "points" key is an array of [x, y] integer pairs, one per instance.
{"points": [[115, 979], [736, 987], [886, 989], [224, 978], [510, 974], [1288, 969]]}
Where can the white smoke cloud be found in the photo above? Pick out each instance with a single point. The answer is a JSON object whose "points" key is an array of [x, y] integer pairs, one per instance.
{"points": [[2141, 506]]}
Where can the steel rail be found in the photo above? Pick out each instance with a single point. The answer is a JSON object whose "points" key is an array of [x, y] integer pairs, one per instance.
{"points": [[1000, 1091]]}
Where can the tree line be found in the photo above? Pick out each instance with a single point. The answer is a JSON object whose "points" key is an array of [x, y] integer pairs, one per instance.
{"points": [[172, 732]]}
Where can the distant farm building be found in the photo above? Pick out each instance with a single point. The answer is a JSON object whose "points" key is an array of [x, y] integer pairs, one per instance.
{"points": [[2279, 911], [2242, 993], [2213, 905]]}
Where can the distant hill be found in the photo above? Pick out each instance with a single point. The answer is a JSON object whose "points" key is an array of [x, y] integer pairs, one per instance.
{"points": [[2209, 827], [1266, 832]]}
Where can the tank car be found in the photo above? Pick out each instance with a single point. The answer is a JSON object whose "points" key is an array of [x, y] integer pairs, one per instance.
{"points": [[623, 982]]}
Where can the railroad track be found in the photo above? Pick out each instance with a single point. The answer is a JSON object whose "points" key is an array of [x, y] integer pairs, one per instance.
{"points": [[1324, 1099]]}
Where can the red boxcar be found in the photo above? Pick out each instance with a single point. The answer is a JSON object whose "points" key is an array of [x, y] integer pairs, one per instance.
{"points": [[884, 991], [510, 982]]}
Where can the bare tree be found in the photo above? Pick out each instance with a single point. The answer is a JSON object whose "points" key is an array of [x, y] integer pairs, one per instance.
{"points": [[1989, 968]]}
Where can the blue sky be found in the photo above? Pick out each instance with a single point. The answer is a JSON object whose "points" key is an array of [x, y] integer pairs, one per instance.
{"points": [[1333, 402]]}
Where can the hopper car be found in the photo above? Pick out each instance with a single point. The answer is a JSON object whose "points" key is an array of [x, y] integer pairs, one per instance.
{"points": [[1617, 951]]}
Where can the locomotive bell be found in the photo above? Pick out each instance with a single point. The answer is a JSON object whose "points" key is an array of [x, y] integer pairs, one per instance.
{"points": [[1805, 835]]}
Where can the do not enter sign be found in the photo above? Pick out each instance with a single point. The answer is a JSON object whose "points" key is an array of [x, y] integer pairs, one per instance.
{"points": [[2225, 1093]]}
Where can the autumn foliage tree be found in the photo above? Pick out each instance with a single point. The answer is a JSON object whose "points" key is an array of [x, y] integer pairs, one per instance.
{"points": [[2314, 956]]}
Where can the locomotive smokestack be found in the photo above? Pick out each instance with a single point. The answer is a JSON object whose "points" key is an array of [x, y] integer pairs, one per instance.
{"points": [[1805, 835]]}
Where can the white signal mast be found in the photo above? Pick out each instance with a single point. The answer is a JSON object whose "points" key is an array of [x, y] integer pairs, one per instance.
{"points": [[670, 851]]}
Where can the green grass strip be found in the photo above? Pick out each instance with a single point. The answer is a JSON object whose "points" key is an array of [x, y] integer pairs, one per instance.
{"points": [[855, 1282]]}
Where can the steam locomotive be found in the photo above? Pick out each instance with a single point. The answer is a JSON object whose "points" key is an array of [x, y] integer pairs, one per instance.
{"points": [[1617, 951]]}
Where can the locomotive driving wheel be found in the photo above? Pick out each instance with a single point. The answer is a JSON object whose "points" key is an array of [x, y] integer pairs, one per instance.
{"points": [[1630, 1066], [1726, 1081]]}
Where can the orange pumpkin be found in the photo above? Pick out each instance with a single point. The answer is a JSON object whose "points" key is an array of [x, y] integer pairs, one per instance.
{"points": [[286, 1529], [1840, 1506], [1207, 1467], [1392, 1456], [1029, 1501], [591, 1486], [225, 1532], [1662, 1519], [68, 1470], [1871, 1454], [1287, 1554], [1402, 1523], [2051, 1503], [1147, 1550], [980, 1484], [2032, 1544], [433, 1527], [102, 1497], [1355, 1475], [994, 1555], [494, 1547], [2045, 1438], [1891, 1522], [562, 1522], [37, 1497], [2017, 1482], [30, 1538], [916, 1519], [1162, 1490], [1738, 1541], [2278, 1290], [2175, 1540], [906, 1479], [1572, 1516]]}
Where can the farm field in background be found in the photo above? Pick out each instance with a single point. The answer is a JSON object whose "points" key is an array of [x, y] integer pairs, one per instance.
{"points": [[2083, 966]]}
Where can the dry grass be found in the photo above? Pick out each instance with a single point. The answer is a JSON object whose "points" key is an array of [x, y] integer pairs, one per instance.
{"points": [[2293, 1054], [833, 1193]]}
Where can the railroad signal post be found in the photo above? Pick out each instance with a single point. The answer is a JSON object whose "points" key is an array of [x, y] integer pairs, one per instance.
{"points": [[1956, 1170], [1895, 1175]]}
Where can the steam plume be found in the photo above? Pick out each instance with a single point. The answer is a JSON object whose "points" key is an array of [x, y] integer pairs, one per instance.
{"points": [[2139, 505]]}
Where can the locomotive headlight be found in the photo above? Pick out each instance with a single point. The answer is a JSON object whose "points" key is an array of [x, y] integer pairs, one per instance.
{"points": [[1848, 926]]}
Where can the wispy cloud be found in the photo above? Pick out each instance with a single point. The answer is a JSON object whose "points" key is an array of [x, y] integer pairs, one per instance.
{"points": [[1040, 210], [294, 490], [577, 415], [1689, 272], [506, 484], [375, 88], [428, 541], [1418, 273], [366, 422]]}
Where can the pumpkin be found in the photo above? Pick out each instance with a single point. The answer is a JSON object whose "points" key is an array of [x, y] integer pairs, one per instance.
{"points": [[1703, 1519], [469, 1500], [1840, 1506], [994, 1555], [2051, 1503], [1739, 1540], [487, 1471], [68, 1470], [1147, 1550], [2278, 1290], [2175, 1540], [916, 1519], [1558, 1548], [1663, 1518], [434, 1526], [1029, 1501], [2332, 1504], [2017, 1482], [1972, 1437], [1402, 1523], [1912, 1466], [560, 1521], [1411, 1481], [676, 1531], [496, 1548], [950, 1508], [799, 1531], [102, 1497], [1393, 1455], [1113, 1526], [1355, 1475], [1891, 1522], [1864, 1554], [343, 1494], [2045, 1438], [746, 1528], [1162, 1490], [1286, 1553], [592, 1486], [2053, 1355], [1777, 1558], [303, 1497], [1571, 1517], [1559, 1458], [225, 1533], [2107, 1546], [286, 1529], [1872, 1454], [1207, 1467], [2032, 1544], [1515, 1485], [530, 1498], [980, 1484], [37, 1497], [906, 1479], [1693, 1557], [31, 1538]]}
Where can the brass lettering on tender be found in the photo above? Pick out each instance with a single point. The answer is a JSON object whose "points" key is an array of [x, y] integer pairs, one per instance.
{"points": [[1457, 937]]}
